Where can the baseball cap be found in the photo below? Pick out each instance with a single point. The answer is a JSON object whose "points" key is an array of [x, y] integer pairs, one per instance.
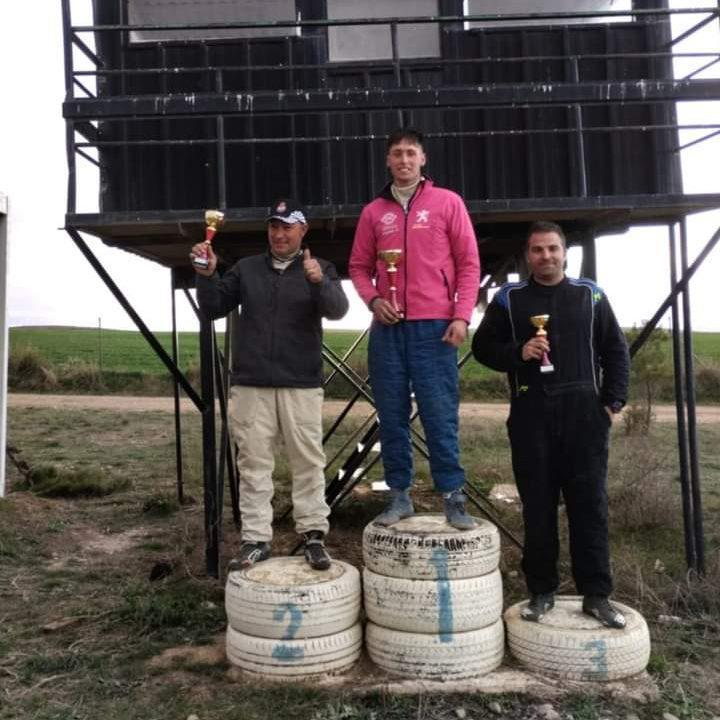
{"points": [[288, 211]]}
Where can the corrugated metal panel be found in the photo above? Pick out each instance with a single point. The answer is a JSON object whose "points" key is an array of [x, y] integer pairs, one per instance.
{"points": [[327, 158]]}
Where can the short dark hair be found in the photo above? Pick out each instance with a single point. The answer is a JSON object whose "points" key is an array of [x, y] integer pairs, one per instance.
{"points": [[545, 226], [405, 133]]}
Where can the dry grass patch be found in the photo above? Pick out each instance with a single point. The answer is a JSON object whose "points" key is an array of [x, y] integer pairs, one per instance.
{"points": [[56, 481]]}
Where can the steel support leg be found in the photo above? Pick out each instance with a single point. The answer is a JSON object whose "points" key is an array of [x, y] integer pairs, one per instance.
{"points": [[231, 458], [691, 414], [686, 494], [226, 454], [211, 491], [176, 396]]}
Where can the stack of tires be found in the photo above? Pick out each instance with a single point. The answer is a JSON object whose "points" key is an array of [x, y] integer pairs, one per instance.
{"points": [[433, 598], [570, 645], [287, 621]]}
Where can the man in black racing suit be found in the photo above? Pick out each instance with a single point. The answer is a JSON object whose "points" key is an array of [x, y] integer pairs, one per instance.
{"points": [[566, 387]]}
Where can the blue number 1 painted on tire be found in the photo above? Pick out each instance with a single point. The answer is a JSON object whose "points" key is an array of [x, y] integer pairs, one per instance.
{"points": [[283, 651], [445, 611]]}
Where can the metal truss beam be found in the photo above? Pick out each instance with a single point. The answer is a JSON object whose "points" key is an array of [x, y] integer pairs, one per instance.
{"points": [[678, 288], [359, 100], [684, 376], [141, 326], [353, 471], [407, 20], [174, 221]]}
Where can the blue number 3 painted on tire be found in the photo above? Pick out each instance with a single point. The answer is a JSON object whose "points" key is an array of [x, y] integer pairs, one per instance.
{"points": [[599, 661]]}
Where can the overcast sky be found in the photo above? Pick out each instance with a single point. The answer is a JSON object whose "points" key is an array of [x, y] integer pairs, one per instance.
{"points": [[50, 283]]}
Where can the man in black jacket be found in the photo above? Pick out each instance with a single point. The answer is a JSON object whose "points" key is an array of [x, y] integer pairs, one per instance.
{"points": [[566, 386], [276, 375]]}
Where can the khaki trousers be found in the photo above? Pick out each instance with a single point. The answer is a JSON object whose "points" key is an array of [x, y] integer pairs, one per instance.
{"points": [[258, 416]]}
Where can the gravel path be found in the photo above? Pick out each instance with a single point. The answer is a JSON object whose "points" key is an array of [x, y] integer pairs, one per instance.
{"points": [[706, 414]]}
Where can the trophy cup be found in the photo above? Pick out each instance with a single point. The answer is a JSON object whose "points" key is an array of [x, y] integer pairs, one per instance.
{"points": [[539, 321], [213, 221], [391, 258]]}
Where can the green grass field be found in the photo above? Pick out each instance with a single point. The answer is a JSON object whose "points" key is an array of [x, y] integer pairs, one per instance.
{"points": [[117, 350], [707, 347], [94, 360], [128, 351]]}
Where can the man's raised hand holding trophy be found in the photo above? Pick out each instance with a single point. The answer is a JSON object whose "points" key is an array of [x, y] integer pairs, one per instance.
{"points": [[213, 221]]}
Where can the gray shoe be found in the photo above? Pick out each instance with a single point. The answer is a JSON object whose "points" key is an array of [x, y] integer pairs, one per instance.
{"points": [[455, 511], [538, 606], [400, 506], [599, 607]]}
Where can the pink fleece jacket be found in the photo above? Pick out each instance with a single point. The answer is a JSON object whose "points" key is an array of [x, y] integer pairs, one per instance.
{"points": [[439, 272]]}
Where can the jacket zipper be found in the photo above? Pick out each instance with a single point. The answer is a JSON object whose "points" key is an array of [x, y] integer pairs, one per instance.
{"points": [[406, 211], [275, 289]]}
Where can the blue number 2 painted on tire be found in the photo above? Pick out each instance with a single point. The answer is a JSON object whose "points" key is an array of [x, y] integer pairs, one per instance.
{"points": [[445, 611], [282, 651]]}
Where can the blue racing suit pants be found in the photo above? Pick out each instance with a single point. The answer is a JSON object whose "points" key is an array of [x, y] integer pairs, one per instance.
{"points": [[410, 357]]}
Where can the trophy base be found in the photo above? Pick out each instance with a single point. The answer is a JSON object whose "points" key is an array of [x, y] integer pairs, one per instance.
{"points": [[547, 368], [201, 262]]}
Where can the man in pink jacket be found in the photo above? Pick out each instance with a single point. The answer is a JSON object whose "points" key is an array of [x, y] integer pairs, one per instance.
{"points": [[421, 310]]}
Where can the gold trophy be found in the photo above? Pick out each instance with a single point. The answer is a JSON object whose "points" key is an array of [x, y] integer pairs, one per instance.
{"points": [[391, 258], [540, 321], [213, 222]]}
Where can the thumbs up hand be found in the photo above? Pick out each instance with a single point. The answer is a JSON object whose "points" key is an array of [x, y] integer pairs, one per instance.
{"points": [[313, 271]]}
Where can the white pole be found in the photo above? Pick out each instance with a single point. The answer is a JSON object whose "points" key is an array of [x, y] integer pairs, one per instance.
{"points": [[3, 339]]}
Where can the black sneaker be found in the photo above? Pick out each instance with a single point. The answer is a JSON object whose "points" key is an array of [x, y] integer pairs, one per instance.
{"points": [[538, 606], [599, 607], [250, 553], [315, 553]]}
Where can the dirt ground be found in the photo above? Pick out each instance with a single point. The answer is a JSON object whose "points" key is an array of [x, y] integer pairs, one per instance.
{"points": [[706, 414], [105, 609]]}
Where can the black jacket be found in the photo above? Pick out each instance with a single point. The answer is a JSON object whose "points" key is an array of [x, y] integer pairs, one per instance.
{"points": [[587, 346], [277, 338]]}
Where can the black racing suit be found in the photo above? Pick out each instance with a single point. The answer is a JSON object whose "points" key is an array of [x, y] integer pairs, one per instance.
{"points": [[558, 425]]}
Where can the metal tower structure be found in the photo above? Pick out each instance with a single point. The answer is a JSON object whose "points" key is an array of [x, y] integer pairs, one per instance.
{"points": [[566, 114]]}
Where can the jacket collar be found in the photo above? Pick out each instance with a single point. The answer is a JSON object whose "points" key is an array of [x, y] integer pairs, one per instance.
{"points": [[269, 257], [547, 288], [386, 193]]}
